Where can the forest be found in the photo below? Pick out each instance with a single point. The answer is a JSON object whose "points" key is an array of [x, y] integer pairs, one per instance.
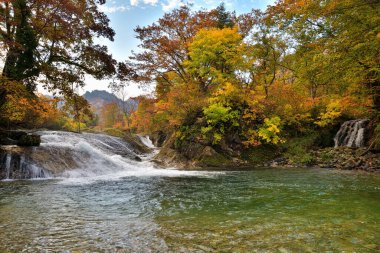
{"points": [[240, 85], [261, 132]]}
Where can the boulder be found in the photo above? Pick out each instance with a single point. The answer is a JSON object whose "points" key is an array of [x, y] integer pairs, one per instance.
{"points": [[29, 140], [20, 138], [158, 138]]}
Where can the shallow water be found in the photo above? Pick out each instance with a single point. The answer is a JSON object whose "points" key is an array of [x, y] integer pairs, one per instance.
{"points": [[263, 210]]}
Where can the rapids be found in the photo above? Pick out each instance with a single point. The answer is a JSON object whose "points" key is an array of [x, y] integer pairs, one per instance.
{"points": [[79, 156]]}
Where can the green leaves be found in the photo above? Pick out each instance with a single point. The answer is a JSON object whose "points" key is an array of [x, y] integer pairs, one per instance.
{"points": [[219, 118]]}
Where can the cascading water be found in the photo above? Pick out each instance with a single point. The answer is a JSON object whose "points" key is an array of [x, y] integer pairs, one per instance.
{"points": [[71, 155], [8, 160], [351, 134], [15, 164], [147, 141]]}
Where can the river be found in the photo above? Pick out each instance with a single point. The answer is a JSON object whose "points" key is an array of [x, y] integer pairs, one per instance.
{"points": [[104, 200], [296, 210]]}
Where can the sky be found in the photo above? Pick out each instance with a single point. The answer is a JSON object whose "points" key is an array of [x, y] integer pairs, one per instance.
{"points": [[125, 15]]}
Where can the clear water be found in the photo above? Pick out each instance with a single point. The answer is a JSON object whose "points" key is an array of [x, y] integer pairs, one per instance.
{"points": [[265, 210]]}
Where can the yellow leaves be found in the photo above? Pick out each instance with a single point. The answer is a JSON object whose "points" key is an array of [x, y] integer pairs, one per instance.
{"points": [[215, 54], [270, 131], [333, 111], [226, 90]]}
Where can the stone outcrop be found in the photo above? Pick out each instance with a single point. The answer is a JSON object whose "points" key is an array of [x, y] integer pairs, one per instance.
{"points": [[20, 138]]}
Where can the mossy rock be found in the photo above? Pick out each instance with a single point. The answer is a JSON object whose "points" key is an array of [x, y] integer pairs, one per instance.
{"points": [[260, 154], [210, 158], [29, 140]]}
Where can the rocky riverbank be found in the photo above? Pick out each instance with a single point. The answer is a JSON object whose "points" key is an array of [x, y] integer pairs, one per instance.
{"points": [[332, 158], [342, 158]]}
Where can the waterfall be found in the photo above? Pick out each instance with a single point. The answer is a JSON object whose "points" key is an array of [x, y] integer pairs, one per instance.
{"points": [[351, 134], [65, 154], [14, 165], [147, 141], [81, 158], [8, 160]]}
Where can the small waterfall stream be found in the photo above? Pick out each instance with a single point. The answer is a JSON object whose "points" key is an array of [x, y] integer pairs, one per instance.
{"points": [[65, 154], [16, 165], [81, 157], [8, 160], [351, 134]]}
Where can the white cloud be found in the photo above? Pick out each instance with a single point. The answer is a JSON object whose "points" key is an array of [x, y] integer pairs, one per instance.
{"points": [[112, 9], [171, 4], [151, 2], [134, 2]]}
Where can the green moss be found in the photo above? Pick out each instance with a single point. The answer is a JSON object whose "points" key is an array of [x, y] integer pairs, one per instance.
{"points": [[115, 132], [216, 160], [327, 156], [260, 154], [298, 149]]}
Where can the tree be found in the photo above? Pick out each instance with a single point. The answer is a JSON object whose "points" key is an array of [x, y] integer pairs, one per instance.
{"points": [[224, 17], [20, 62], [215, 56], [111, 116], [344, 30], [266, 53], [77, 108], [165, 43], [120, 91], [54, 40]]}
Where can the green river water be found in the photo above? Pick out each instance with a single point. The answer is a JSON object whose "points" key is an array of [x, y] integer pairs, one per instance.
{"points": [[262, 210]]}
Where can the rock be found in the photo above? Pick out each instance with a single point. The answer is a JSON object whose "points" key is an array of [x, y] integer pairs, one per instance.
{"points": [[29, 140], [11, 137], [7, 141], [137, 158], [21, 138], [208, 151], [158, 138]]}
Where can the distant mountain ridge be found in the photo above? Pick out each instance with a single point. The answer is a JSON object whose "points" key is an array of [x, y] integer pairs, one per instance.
{"points": [[99, 98]]}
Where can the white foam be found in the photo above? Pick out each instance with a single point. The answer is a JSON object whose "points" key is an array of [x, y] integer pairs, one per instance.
{"points": [[97, 157], [147, 141]]}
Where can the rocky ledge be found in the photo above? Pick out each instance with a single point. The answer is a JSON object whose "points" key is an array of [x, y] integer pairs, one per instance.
{"points": [[342, 158], [19, 138]]}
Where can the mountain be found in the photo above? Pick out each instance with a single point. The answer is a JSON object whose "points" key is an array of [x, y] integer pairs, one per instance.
{"points": [[98, 98]]}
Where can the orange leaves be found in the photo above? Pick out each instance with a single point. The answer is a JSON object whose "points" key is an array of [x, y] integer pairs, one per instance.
{"points": [[111, 116]]}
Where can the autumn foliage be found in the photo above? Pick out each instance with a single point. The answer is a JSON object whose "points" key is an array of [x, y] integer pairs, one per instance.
{"points": [[259, 78]]}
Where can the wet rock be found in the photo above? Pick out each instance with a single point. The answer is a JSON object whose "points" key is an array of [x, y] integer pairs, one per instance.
{"points": [[158, 138], [7, 141], [29, 140], [21, 138]]}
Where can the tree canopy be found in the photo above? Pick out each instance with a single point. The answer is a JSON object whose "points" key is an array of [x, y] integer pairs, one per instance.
{"points": [[53, 42]]}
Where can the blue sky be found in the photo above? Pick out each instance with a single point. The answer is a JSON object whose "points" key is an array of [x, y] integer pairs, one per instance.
{"points": [[125, 15]]}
